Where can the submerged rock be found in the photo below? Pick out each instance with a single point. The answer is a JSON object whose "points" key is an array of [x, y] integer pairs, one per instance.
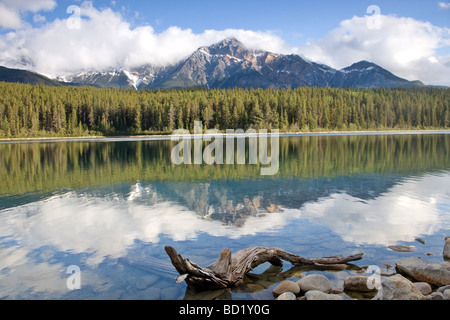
{"points": [[432, 273], [420, 240], [403, 248]]}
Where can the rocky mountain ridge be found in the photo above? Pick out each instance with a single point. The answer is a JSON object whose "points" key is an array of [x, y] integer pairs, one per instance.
{"points": [[229, 64]]}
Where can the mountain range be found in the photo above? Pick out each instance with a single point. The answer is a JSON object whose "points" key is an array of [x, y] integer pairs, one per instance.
{"points": [[227, 64]]}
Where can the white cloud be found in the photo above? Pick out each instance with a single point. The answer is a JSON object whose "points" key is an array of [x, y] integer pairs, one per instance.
{"points": [[9, 18], [105, 39], [444, 5], [405, 46], [27, 5], [11, 10], [39, 18]]}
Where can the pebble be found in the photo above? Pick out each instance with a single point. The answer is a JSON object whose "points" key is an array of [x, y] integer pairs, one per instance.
{"points": [[319, 295], [447, 294], [447, 248], [316, 282], [443, 288], [403, 248], [286, 286], [423, 287], [420, 240], [435, 296], [357, 283], [286, 296]]}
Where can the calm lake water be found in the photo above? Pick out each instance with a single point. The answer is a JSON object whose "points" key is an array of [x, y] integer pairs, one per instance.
{"points": [[110, 206]]}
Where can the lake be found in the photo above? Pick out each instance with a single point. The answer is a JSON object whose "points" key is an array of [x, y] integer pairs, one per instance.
{"points": [[108, 207]]}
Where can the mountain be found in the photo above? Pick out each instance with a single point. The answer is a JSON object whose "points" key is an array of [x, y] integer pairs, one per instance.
{"points": [[365, 74], [23, 76], [119, 78], [229, 64]]}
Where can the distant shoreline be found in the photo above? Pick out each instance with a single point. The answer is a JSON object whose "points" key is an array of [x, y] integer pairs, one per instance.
{"points": [[169, 137]]}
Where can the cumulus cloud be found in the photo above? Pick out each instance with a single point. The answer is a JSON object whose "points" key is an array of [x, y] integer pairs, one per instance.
{"points": [[9, 18], [444, 5], [405, 46], [39, 18], [11, 11], [33, 6], [100, 39]]}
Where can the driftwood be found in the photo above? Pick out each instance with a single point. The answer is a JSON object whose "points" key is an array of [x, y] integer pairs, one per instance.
{"points": [[229, 270]]}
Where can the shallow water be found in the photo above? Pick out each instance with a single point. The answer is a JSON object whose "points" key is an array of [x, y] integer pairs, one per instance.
{"points": [[111, 206]]}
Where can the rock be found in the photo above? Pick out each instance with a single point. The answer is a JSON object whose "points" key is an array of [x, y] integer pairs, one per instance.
{"points": [[337, 291], [420, 240], [316, 282], [446, 265], [357, 283], [435, 296], [403, 248], [447, 248], [442, 289], [398, 287], [320, 295], [286, 286], [420, 270], [272, 208], [256, 202], [287, 296], [423, 287], [447, 294]]}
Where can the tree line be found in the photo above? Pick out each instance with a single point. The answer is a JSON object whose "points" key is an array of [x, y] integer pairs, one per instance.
{"points": [[38, 110]]}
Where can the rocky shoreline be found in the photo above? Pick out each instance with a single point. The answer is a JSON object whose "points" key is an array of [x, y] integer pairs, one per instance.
{"points": [[413, 279]]}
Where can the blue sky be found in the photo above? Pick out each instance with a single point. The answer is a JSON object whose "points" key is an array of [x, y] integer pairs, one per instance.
{"points": [[413, 39]]}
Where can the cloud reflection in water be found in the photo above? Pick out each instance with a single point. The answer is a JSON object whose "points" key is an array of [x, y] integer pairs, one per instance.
{"points": [[106, 226]]}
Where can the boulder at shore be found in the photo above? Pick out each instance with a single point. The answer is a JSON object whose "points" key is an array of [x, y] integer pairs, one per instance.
{"points": [[398, 287], [447, 248], [432, 273]]}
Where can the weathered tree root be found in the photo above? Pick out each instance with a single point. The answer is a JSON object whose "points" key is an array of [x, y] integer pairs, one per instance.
{"points": [[229, 270]]}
